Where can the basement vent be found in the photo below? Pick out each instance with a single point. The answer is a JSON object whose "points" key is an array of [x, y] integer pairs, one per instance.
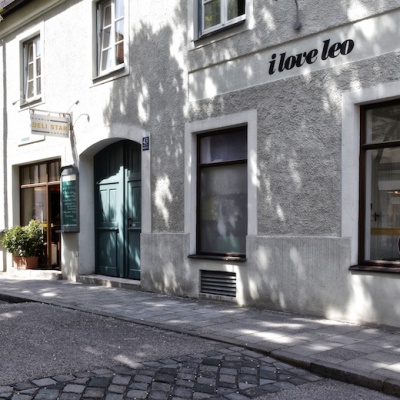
{"points": [[218, 283]]}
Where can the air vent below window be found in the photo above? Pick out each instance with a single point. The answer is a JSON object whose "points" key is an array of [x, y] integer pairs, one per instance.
{"points": [[218, 283]]}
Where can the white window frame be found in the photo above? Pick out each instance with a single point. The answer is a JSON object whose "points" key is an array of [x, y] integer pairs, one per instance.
{"points": [[192, 130], [35, 76], [224, 16], [22, 39], [99, 14]]}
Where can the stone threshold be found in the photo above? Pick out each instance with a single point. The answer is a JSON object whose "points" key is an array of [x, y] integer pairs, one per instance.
{"points": [[109, 281]]}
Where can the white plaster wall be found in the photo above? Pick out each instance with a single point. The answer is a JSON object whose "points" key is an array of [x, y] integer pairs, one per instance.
{"points": [[148, 100], [3, 155], [56, 72]]}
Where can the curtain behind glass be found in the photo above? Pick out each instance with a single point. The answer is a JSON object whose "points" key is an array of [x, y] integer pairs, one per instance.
{"points": [[223, 209]]}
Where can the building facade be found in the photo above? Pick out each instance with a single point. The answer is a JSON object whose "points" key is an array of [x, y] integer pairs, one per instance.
{"points": [[242, 150]]}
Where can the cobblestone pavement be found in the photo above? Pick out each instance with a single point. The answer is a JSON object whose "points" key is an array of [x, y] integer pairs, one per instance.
{"points": [[231, 373]]}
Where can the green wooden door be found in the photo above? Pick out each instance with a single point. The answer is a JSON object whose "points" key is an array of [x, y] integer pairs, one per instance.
{"points": [[118, 210]]}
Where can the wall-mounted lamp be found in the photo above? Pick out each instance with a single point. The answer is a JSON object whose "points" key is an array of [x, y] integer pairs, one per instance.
{"points": [[297, 24], [76, 102], [86, 115]]}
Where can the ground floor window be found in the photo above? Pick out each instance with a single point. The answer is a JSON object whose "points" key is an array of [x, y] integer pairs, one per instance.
{"points": [[222, 193], [40, 200], [380, 184]]}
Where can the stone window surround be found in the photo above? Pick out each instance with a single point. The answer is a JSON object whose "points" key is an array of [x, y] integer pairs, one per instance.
{"points": [[248, 118], [351, 104]]}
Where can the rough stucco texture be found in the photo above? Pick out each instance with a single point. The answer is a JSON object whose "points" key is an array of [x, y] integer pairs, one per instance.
{"points": [[299, 143]]}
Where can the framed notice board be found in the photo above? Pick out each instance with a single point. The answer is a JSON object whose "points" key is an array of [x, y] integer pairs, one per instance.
{"points": [[69, 199]]}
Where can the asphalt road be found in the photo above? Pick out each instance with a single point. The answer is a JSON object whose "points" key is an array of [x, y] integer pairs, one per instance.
{"points": [[39, 341]]}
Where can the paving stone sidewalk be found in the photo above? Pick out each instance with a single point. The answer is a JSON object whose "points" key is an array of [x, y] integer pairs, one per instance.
{"points": [[230, 373], [365, 356]]}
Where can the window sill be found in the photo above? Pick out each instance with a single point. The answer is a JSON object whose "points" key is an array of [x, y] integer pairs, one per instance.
{"points": [[111, 74], [219, 30], [384, 268], [220, 258], [30, 102]]}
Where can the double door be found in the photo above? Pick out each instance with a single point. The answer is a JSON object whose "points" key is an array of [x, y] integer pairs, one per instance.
{"points": [[118, 210]]}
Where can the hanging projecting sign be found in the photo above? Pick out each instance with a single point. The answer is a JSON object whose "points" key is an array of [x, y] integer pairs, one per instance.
{"points": [[50, 125], [69, 199]]}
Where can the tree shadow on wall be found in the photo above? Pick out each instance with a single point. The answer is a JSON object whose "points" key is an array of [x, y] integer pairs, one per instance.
{"points": [[153, 97]]}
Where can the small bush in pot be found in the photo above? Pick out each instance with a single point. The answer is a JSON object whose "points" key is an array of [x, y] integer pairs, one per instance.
{"points": [[24, 242]]}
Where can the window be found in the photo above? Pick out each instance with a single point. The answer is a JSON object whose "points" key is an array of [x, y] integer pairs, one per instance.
{"points": [[222, 193], [380, 185], [216, 14], [32, 69], [111, 36]]}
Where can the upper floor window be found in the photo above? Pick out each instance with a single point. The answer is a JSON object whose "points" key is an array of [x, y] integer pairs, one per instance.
{"points": [[32, 68], [111, 35], [216, 14]]}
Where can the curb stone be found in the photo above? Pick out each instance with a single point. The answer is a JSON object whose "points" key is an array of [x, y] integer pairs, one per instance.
{"points": [[290, 358], [391, 387], [348, 375]]}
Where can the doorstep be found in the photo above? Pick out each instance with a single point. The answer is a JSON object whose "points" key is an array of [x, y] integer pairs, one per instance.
{"points": [[109, 281], [47, 274]]}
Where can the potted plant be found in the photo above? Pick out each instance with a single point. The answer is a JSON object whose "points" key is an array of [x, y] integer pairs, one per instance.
{"points": [[25, 243]]}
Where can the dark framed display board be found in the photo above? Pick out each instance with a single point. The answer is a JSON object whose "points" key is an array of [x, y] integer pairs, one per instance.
{"points": [[69, 199]]}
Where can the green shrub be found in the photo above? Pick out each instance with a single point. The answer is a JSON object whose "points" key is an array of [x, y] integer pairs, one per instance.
{"points": [[24, 241]]}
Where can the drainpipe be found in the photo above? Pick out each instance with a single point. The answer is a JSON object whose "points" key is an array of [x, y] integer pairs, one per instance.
{"points": [[5, 137]]}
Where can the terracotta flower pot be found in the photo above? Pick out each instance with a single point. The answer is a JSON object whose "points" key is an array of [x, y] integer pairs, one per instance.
{"points": [[26, 262]]}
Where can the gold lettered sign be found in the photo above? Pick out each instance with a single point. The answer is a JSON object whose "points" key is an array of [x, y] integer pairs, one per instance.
{"points": [[50, 125]]}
